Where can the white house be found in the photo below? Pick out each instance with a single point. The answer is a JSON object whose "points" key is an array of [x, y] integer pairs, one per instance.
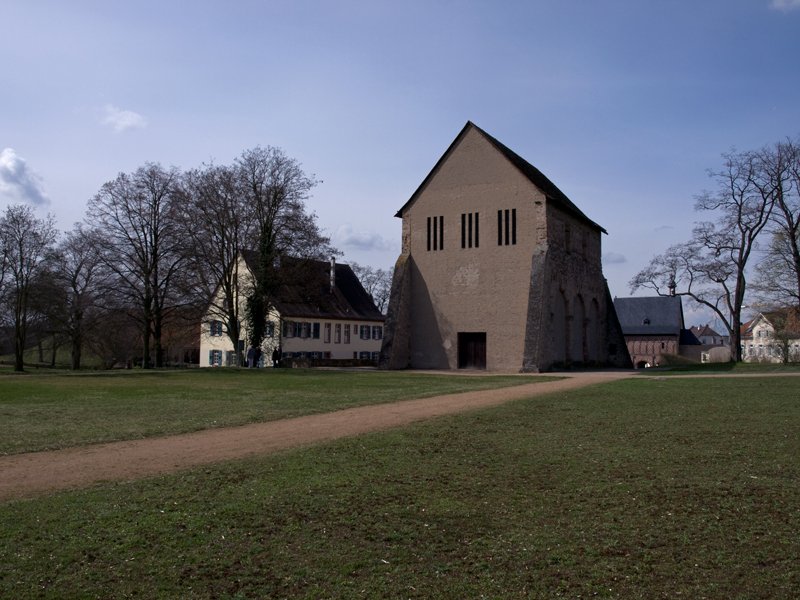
{"points": [[767, 338], [323, 315]]}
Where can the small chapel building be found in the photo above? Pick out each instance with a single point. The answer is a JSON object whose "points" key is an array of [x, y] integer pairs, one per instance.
{"points": [[499, 270]]}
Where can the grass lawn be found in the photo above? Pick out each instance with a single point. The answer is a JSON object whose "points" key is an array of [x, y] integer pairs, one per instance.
{"points": [[644, 488], [57, 410], [740, 368]]}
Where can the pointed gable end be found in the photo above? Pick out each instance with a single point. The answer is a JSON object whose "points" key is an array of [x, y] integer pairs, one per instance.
{"points": [[531, 173]]}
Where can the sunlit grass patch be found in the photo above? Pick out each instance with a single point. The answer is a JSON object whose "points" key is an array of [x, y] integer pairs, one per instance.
{"points": [[638, 489], [48, 411]]}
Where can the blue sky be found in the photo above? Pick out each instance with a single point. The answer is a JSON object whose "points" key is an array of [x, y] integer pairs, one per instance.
{"points": [[623, 104]]}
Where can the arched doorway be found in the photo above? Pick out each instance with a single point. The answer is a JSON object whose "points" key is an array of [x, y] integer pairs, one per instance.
{"points": [[593, 332], [559, 327], [578, 334]]}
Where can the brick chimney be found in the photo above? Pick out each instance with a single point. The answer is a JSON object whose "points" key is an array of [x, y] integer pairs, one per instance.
{"points": [[333, 274]]}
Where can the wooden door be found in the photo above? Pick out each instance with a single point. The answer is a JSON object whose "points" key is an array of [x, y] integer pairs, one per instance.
{"points": [[472, 350]]}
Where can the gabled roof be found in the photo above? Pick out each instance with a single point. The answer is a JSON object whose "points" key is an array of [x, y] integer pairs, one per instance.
{"points": [[786, 320], [704, 331], [688, 338], [306, 290], [746, 329], [534, 175], [650, 315]]}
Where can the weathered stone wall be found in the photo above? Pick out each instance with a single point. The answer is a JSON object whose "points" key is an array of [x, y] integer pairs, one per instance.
{"points": [[395, 349], [616, 348], [650, 349], [567, 312]]}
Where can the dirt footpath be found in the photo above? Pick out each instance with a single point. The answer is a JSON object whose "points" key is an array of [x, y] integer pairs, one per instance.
{"points": [[26, 475]]}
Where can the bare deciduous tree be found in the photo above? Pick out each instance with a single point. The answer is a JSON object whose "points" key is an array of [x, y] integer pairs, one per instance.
{"points": [[711, 268], [778, 278], [142, 246], [76, 274], [377, 283], [219, 224], [25, 241], [276, 188]]}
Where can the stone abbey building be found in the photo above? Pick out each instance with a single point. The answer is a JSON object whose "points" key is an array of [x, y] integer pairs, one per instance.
{"points": [[499, 270]]}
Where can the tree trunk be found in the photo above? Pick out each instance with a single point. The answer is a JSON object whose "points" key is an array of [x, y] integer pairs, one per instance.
{"points": [[146, 344], [20, 324], [157, 330], [148, 322], [19, 348], [736, 342], [76, 352]]}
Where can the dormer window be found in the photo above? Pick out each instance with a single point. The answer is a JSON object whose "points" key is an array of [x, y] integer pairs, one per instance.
{"points": [[646, 321]]}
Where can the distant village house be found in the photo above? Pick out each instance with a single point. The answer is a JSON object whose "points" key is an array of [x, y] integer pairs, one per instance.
{"points": [[772, 336], [654, 330]]}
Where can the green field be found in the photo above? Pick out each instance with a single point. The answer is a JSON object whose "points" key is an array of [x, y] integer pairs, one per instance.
{"points": [[729, 368], [644, 488], [57, 410]]}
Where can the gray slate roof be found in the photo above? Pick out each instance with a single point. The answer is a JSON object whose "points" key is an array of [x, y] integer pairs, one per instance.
{"points": [[534, 175], [652, 315]]}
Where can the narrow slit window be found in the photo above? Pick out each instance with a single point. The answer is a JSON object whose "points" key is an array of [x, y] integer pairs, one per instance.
{"points": [[513, 225], [507, 227], [429, 234], [435, 233], [469, 230]]}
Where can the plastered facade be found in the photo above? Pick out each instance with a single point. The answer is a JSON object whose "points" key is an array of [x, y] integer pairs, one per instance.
{"points": [[295, 335]]}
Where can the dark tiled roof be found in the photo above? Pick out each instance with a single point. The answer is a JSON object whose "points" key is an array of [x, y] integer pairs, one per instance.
{"points": [[306, 291], [688, 338], [534, 175], [746, 329], [704, 331], [651, 315]]}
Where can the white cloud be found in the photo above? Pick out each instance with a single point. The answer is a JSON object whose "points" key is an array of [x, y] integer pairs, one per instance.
{"points": [[785, 5], [348, 237], [614, 258], [18, 182], [121, 120]]}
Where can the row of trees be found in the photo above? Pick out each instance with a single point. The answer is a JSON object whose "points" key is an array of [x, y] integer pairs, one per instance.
{"points": [[153, 248], [750, 246]]}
